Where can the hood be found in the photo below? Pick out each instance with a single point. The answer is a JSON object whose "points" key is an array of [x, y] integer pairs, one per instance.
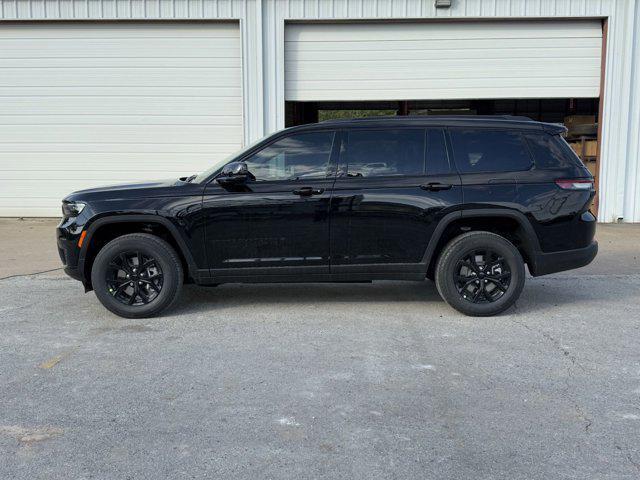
{"points": [[158, 188]]}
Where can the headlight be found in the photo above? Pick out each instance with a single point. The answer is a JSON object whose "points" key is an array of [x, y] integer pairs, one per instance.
{"points": [[72, 209]]}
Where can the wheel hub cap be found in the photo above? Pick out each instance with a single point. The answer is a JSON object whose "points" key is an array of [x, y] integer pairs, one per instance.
{"points": [[134, 278], [482, 276]]}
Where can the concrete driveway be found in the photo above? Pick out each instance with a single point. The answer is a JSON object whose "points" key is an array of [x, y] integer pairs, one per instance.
{"points": [[374, 381]]}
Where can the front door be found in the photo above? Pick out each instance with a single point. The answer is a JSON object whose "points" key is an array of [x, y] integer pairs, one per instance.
{"points": [[393, 187], [277, 224]]}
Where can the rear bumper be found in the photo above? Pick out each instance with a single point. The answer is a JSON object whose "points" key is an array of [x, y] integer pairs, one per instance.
{"points": [[546, 263]]}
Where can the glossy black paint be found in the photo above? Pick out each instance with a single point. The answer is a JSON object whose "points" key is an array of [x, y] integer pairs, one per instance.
{"points": [[341, 228], [267, 225], [382, 221], [177, 205]]}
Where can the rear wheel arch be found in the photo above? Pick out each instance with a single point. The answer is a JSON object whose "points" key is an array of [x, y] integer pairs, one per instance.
{"points": [[103, 230], [510, 224]]}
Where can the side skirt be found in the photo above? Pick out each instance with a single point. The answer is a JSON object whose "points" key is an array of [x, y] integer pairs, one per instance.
{"points": [[348, 273]]}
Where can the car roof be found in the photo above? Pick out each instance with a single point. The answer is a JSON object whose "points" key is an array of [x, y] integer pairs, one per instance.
{"points": [[497, 121]]}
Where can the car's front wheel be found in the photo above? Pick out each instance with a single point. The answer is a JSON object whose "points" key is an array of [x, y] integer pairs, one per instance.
{"points": [[480, 273], [137, 275]]}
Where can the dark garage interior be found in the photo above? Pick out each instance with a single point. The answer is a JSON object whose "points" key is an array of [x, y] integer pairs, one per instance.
{"points": [[580, 115]]}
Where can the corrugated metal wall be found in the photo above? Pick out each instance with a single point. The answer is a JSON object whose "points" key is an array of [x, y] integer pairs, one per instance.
{"points": [[88, 104], [262, 24]]}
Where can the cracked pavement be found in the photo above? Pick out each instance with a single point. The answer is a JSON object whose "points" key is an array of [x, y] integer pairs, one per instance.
{"points": [[371, 381]]}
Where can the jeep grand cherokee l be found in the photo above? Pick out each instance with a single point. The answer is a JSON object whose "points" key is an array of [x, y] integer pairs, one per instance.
{"points": [[464, 201]]}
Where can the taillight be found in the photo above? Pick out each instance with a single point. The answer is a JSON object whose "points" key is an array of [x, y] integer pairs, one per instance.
{"points": [[575, 184]]}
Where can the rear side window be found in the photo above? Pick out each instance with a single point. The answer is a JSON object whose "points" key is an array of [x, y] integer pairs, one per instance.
{"points": [[380, 153], [550, 151], [478, 150]]}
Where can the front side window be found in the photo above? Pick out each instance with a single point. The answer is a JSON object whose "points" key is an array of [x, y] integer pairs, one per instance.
{"points": [[295, 157], [380, 153], [478, 150]]}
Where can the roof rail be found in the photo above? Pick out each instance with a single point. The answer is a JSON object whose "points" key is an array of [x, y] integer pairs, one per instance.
{"points": [[517, 118]]}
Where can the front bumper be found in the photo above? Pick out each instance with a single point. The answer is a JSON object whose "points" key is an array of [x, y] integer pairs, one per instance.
{"points": [[546, 263], [67, 235], [74, 273]]}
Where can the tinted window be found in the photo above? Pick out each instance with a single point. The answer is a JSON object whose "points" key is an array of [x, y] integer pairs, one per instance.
{"points": [[489, 151], [376, 153], [437, 160], [550, 151], [296, 157]]}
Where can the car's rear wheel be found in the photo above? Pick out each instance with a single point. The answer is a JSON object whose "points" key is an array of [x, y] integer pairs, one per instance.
{"points": [[137, 275], [480, 274]]}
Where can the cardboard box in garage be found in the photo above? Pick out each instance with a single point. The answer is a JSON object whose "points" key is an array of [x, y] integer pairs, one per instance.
{"points": [[572, 121], [590, 148]]}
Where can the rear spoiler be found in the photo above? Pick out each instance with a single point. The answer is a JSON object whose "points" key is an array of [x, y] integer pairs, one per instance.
{"points": [[554, 128]]}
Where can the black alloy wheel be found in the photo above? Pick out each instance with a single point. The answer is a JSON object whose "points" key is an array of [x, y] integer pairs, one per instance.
{"points": [[137, 275], [480, 273], [482, 276], [134, 278]]}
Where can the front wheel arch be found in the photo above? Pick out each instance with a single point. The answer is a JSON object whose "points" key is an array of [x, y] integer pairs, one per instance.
{"points": [[105, 229]]}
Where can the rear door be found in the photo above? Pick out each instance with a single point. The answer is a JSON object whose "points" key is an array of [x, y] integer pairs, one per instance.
{"points": [[393, 187]]}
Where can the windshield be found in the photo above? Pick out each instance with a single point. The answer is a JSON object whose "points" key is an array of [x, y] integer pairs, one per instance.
{"points": [[201, 177]]}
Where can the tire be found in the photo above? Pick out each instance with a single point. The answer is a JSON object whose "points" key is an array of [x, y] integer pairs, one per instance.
{"points": [[158, 282], [463, 278]]}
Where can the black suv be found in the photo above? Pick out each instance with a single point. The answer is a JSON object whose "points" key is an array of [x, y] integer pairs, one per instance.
{"points": [[464, 201]]}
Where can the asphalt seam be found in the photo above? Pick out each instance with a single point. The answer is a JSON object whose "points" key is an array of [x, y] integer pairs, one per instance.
{"points": [[625, 452], [30, 274], [569, 393]]}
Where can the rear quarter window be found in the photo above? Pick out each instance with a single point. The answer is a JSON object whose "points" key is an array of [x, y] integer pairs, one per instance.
{"points": [[479, 150], [551, 151]]}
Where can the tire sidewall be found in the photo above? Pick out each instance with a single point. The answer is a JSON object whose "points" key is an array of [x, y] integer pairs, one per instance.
{"points": [[462, 246], [171, 280]]}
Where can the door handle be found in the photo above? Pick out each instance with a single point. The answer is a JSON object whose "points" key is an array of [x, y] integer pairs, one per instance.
{"points": [[308, 191], [435, 186]]}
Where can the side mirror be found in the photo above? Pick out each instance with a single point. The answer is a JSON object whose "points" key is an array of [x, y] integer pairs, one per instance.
{"points": [[234, 173]]}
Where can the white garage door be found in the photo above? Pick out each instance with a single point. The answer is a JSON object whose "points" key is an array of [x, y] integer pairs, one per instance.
{"points": [[83, 105], [425, 61]]}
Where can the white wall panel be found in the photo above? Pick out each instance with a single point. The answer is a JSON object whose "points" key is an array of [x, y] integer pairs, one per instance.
{"points": [[632, 188], [424, 61], [263, 62], [87, 104]]}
